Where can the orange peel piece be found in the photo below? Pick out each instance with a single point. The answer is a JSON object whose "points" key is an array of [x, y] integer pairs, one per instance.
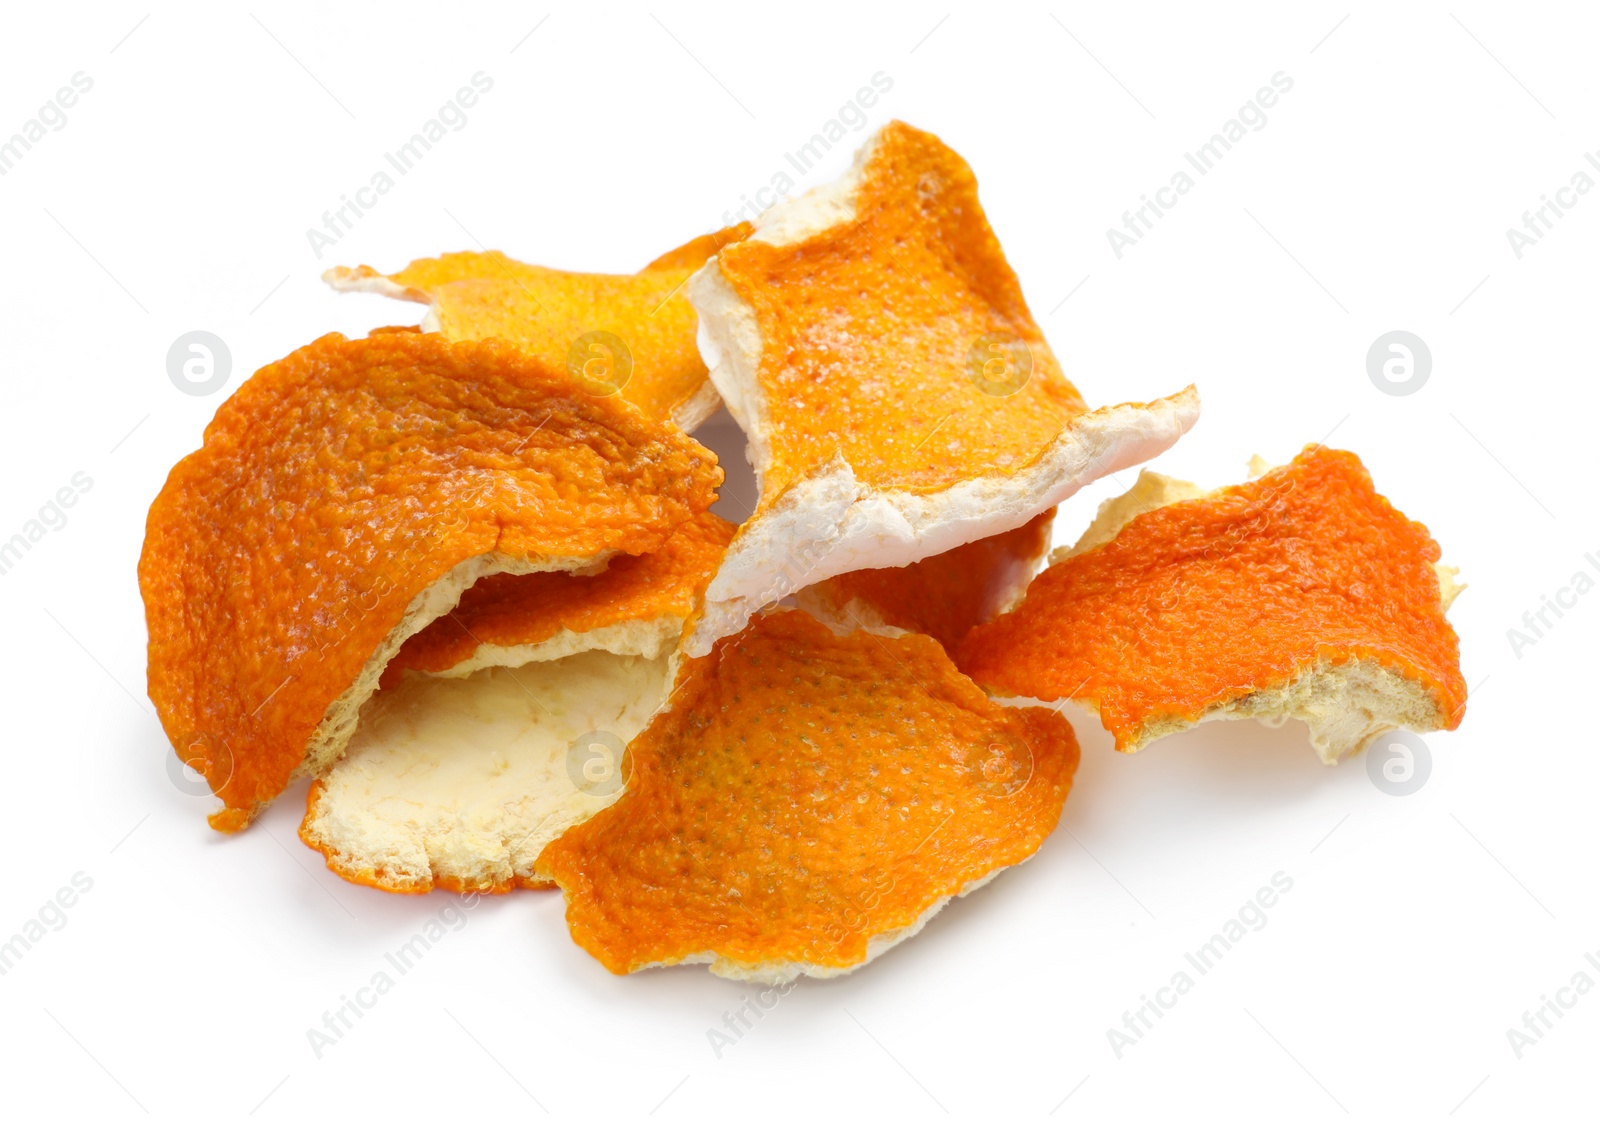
{"points": [[898, 398], [638, 605], [344, 497], [459, 782], [1303, 593], [806, 801], [503, 723], [942, 596], [631, 335]]}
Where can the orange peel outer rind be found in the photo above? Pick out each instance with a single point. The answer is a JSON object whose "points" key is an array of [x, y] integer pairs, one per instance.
{"points": [[804, 793], [482, 295], [698, 251], [519, 610], [873, 334], [340, 482], [944, 596], [1202, 602]]}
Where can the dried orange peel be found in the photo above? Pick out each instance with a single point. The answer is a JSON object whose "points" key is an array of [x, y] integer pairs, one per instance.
{"points": [[459, 783], [502, 723], [1301, 594], [627, 334], [898, 398], [942, 596], [806, 801], [344, 498], [638, 605]]}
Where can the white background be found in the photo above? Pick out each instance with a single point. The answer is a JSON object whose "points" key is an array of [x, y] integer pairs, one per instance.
{"points": [[1377, 197]]}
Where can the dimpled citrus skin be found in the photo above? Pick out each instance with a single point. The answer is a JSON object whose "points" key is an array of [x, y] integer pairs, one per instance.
{"points": [[1205, 601], [868, 331], [336, 485], [945, 596], [802, 793], [481, 295], [511, 610]]}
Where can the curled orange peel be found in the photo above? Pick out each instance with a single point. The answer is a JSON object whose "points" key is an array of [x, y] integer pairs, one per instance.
{"points": [[343, 498], [508, 619], [1303, 593], [483, 742]]}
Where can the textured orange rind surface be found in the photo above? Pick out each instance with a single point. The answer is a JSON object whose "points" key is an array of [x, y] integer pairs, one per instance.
{"points": [[873, 333], [1223, 600], [522, 610], [627, 334], [337, 486], [806, 800]]}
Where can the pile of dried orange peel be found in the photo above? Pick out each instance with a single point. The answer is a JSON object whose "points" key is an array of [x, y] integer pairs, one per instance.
{"points": [[465, 579]]}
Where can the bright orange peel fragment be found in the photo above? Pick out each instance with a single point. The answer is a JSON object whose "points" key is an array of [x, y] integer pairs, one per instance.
{"points": [[502, 723], [626, 334], [899, 398], [343, 498], [806, 801], [511, 619], [1303, 593]]}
